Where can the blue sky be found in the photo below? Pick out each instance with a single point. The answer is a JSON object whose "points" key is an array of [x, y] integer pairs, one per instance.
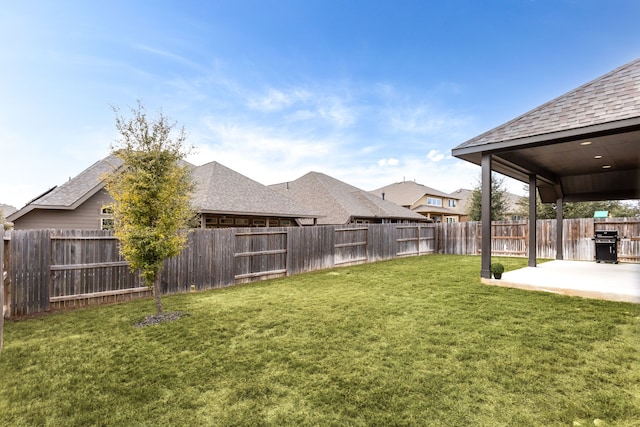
{"points": [[370, 92]]}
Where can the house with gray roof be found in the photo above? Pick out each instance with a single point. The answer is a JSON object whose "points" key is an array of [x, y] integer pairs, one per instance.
{"points": [[80, 203], [223, 198], [434, 204], [512, 201], [341, 203], [5, 210]]}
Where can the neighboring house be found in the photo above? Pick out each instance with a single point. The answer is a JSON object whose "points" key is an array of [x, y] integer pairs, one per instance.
{"points": [[5, 211], [465, 195], [223, 198], [426, 201], [341, 203], [79, 203], [513, 207], [226, 198]]}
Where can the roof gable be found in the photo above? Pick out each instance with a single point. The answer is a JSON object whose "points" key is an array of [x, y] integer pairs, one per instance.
{"points": [[340, 201], [612, 97], [407, 193], [77, 188], [222, 190], [75, 191]]}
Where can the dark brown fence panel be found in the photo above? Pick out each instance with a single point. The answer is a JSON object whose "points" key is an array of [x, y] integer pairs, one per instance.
{"points": [[3, 274], [408, 240], [351, 244], [310, 248], [87, 268], [381, 242], [29, 271], [178, 272], [260, 254], [224, 249]]}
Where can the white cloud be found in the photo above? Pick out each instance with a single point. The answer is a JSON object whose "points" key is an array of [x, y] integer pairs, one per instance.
{"points": [[275, 99], [168, 55], [388, 162], [435, 156], [334, 110], [300, 115], [306, 105], [264, 154]]}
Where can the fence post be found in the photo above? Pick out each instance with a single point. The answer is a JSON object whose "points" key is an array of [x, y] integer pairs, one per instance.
{"points": [[2, 277]]}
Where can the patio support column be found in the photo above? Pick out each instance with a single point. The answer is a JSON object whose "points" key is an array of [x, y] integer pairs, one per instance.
{"points": [[559, 230], [485, 272], [532, 220]]}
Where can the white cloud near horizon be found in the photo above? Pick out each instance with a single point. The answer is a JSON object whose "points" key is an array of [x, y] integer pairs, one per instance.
{"points": [[435, 156], [388, 162]]}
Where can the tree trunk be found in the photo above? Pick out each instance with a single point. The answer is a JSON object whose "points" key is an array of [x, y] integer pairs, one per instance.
{"points": [[156, 293]]}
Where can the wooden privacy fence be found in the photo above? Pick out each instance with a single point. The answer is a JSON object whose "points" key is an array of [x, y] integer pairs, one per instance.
{"points": [[56, 269], [511, 238]]}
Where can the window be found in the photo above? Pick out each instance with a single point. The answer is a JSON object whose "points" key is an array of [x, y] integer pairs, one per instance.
{"points": [[226, 221], [106, 218], [432, 201], [106, 223], [259, 222], [452, 203], [242, 221], [451, 219]]}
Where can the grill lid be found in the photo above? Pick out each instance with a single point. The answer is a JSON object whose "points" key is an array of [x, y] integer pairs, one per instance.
{"points": [[606, 234]]}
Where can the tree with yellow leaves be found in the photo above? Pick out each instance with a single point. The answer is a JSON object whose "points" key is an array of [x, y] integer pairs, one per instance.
{"points": [[151, 192]]}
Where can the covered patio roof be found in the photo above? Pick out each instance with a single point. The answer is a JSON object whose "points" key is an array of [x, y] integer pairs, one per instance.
{"points": [[581, 146]]}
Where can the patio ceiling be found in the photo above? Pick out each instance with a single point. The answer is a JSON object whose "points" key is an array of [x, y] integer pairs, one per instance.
{"points": [[582, 146]]}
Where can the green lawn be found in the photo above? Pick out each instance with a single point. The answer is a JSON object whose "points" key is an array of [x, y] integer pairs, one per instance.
{"points": [[414, 341]]}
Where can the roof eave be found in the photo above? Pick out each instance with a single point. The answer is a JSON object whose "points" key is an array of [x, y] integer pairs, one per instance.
{"points": [[250, 213], [600, 129]]}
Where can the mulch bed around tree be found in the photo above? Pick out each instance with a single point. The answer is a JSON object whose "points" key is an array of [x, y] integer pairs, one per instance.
{"points": [[156, 319]]}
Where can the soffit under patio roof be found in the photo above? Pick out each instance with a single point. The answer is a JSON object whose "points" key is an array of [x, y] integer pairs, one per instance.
{"points": [[583, 146]]}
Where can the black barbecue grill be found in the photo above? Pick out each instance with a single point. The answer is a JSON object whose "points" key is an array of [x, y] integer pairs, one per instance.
{"points": [[606, 246]]}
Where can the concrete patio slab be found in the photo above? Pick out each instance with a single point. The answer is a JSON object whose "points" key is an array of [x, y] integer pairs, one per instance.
{"points": [[613, 282]]}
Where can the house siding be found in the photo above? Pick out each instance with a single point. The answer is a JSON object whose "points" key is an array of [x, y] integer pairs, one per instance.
{"points": [[86, 216]]}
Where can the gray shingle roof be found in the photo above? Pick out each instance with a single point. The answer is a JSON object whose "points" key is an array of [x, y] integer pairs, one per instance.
{"points": [[465, 196], [219, 190], [339, 201], [80, 187], [612, 97], [222, 190], [7, 209], [407, 193]]}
